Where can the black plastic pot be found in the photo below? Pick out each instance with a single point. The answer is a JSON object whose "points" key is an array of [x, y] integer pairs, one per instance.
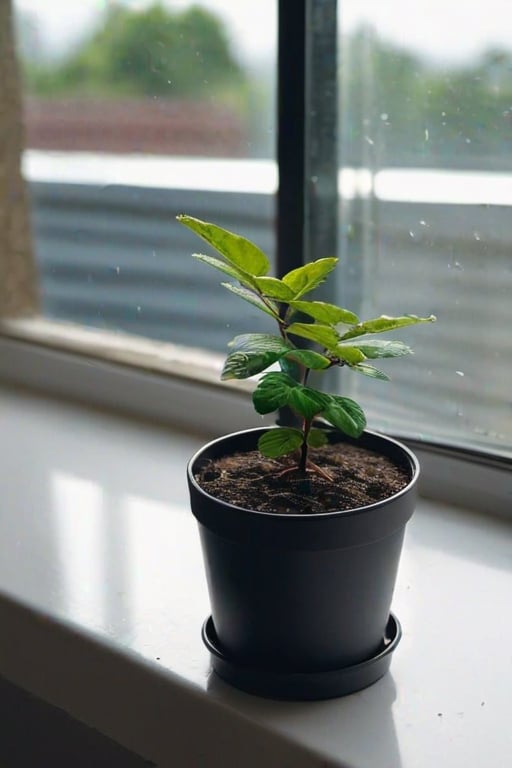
{"points": [[305, 595]]}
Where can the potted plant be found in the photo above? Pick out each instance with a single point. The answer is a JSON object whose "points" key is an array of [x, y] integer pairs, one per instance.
{"points": [[301, 525]]}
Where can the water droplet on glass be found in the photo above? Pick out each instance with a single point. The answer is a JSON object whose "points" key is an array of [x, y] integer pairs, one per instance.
{"points": [[426, 134], [457, 265], [118, 270], [423, 223], [314, 179], [369, 141], [476, 235], [139, 308], [384, 116], [459, 373], [411, 233]]}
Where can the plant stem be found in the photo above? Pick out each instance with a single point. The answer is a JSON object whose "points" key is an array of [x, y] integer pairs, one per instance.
{"points": [[306, 426], [304, 447], [269, 306]]}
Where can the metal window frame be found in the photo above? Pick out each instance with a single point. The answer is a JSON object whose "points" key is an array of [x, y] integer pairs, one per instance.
{"points": [[307, 140], [307, 151]]}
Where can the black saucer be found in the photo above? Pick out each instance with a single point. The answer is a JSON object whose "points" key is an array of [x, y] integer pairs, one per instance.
{"points": [[303, 685]]}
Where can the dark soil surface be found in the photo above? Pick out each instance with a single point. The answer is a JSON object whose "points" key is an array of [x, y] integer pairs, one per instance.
{"points": [[351, 477]]}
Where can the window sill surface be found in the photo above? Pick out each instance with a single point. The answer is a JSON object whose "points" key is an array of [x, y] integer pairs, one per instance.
{"points": [[102, 597]]}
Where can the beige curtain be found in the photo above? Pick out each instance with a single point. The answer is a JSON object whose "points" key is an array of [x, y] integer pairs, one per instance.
{"points": [[18, 279]]}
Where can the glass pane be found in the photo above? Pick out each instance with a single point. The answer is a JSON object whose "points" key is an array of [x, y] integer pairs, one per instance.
{"points": [[134, 112], [425, 140]]}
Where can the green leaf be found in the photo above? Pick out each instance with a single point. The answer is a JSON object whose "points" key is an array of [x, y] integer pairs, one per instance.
{"points": [[279, 441], [241, 365], [254, 352], [290, 367], [328, 314], [322, 334], [349, 354], [272, 392], [380, 348], [385, 323], [259, 342], [228, 269], [252, 298], [306, 401], [317, 438], [304, 279], [369, 370], [308, 358], [236, 249], [346, 415], [274, 288], [275, 390]]}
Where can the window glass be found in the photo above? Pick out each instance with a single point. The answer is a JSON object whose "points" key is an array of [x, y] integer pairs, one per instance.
{"points": [[425, 140], [136, 111]]}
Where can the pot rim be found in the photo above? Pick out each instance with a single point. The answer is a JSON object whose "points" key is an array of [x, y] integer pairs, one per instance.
{"points": [[411, 457]]}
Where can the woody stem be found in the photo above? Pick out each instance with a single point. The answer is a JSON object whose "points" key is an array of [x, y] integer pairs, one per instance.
{"points": [[304, 447]]}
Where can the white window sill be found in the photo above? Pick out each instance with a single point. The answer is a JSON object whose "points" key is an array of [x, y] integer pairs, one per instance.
{"points": [[102, 597]]}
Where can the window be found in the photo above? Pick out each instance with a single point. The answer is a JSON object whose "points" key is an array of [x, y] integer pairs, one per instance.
{"points": [[426, 130], [393, 151], [135, 112]]}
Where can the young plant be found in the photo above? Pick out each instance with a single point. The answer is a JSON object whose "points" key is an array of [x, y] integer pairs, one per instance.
{"points": [[341, 339]]}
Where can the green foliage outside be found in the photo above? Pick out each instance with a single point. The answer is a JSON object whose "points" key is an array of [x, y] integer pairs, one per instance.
{"points": [[340, 338], [150, 52], [398, 109]]}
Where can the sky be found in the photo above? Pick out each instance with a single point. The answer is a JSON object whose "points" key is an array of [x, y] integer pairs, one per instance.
{"points": [[444, 30]]}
